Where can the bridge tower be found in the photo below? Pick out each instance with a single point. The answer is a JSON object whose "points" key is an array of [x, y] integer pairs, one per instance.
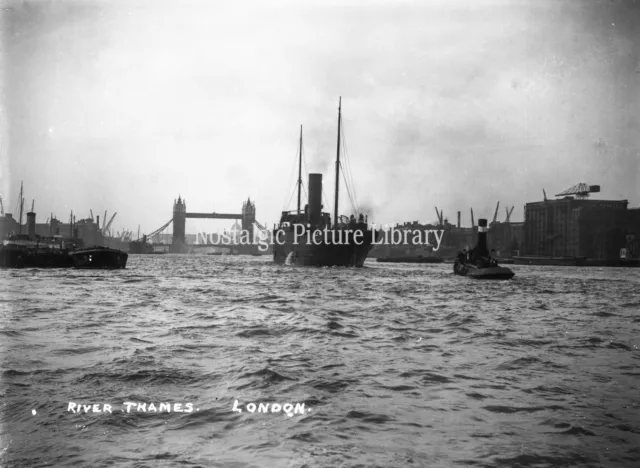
{"points": [[248, 217], [178, 242]]}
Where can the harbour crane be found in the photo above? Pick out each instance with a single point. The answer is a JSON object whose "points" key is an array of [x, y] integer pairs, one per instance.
{"points": [[91, 211], [544, 194], [1, 206], [105, 227], [440, 218], [261, 227], [495, 214], [581, 191], [509, 211], [473, 223], [157, 231]]}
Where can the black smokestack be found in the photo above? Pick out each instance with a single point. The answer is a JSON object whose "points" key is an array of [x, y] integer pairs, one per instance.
{"points": [[481, 248], [458, 219], [31, 225], [315, 199]]}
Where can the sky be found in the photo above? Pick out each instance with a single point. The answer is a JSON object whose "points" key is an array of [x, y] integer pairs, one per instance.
{"points": [[124, 105]]}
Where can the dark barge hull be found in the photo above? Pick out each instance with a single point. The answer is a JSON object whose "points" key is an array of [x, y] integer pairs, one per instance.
{"points": [[99, 258], [17, 256]]}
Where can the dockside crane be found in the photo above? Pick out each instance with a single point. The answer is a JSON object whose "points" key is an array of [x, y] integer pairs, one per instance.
{"points": [[581, 191], [440, 217], [105, 228], [261, 227], [473, 223], [495, 214], [544, 194], [1, 206], [91, 212], [157, 231], [509, 211]]}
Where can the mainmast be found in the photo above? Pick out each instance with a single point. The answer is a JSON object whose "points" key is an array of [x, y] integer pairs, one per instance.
{"points": [[335, 208], [300, 170], [21, 206]]}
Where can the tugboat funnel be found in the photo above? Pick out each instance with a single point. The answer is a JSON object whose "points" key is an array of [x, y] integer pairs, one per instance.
{"points": [[481, 247]]}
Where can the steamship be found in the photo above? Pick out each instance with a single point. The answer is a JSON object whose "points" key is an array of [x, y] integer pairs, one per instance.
{"points": [[310, 237]]}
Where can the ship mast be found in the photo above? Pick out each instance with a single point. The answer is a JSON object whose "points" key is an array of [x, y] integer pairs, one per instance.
{"points": [[335, 208], [300, 170], [21, 206]]}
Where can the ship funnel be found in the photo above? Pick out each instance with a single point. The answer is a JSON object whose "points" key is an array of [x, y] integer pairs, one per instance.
{"points": [[31, 225], [481, 247], [314, 213]]}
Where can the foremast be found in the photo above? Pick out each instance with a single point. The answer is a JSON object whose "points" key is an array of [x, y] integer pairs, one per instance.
{"points": [[300, 170], [335, 207]]}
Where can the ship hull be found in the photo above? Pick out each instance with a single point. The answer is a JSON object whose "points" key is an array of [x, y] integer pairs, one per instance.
{"points": [[490, 273], [99, 258], [300, 252], [18, 256]]}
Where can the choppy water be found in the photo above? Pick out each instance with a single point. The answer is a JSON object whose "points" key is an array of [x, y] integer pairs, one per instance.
{"points": [[401, 365]]}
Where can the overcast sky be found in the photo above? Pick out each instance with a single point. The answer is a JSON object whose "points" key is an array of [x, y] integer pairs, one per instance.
{"points": [[122, 106]]}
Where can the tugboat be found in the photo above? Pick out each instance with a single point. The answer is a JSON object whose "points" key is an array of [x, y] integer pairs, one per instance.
{"points": [[478, 263], [99, 258], [310, 238]]}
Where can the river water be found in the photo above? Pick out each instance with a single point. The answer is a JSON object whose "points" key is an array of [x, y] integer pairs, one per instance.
{"points": [[396, 366]]}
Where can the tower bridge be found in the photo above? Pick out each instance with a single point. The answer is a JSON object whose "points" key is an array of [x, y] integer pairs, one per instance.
{"points": [[247, 218]]}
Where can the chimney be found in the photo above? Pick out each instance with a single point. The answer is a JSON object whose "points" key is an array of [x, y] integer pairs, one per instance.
{"points": [[314, 212], [31, 225], [458, 219], [481, 247], [98, 221]]}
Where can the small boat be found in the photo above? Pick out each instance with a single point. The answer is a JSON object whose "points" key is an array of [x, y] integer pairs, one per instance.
{"points": [[99, 258], [479, 264], [410, 259]]}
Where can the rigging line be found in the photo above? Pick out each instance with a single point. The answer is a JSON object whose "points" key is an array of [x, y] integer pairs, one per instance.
{"points": [[348, 170], [286, 208], [293, 192], [353, 183], [353, 205], [347, 174], [291, 175]]}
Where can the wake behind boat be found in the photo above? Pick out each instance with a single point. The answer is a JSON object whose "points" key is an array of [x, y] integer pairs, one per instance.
{"points": [[310, 237], [411, 259]]}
